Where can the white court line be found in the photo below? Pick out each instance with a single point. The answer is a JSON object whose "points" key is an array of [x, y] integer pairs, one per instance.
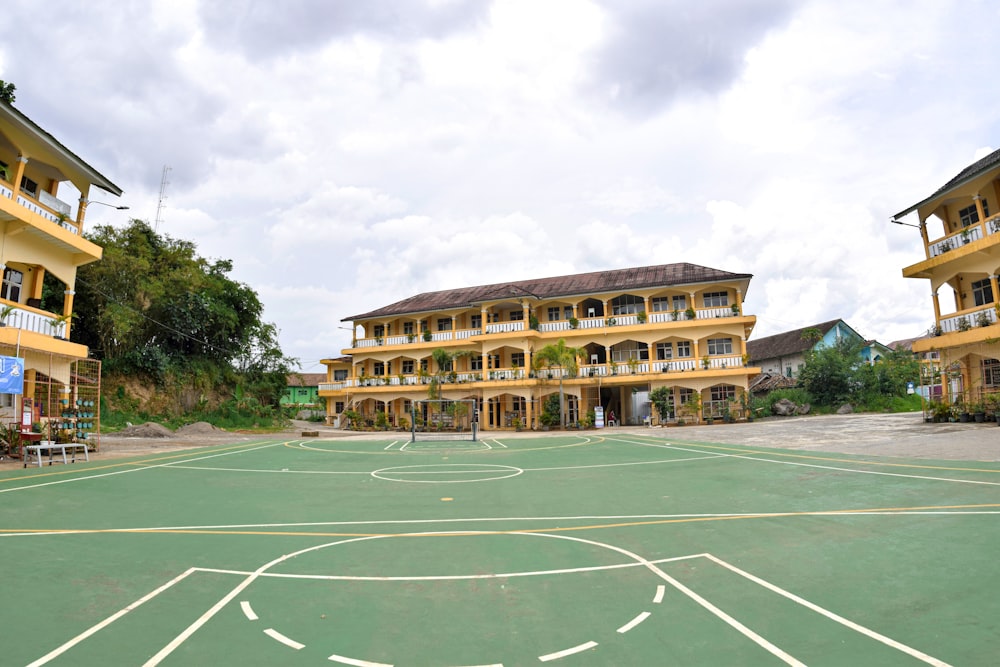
{"points": [[919, 655], [631, 463], [276, 472], [823, 467], [355, 662], [291, 643], [248, 611], [108, 621], [660, 590], [84, 478], [391, 445], [634, 622], [570, 651], [452, 577]]}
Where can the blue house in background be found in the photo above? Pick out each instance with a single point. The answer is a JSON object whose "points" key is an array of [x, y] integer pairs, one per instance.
{"points": [[785, 353]]}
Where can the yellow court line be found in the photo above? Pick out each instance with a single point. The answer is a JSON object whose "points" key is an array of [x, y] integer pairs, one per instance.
{"points": [[827, 458], [193, 451], [557, 529]]}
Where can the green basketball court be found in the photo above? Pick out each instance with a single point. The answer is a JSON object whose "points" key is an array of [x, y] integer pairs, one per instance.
{"points": [[576, 550]]}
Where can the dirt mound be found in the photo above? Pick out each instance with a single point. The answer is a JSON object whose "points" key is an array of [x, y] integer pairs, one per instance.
{"points": [[199, 428], [147, 430]]}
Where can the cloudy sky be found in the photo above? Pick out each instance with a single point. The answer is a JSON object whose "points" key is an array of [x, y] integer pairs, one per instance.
{"points": [[349, 153]]}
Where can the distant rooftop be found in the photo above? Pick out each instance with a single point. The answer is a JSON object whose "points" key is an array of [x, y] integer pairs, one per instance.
{"points": [[972, 171], [547, 288]]}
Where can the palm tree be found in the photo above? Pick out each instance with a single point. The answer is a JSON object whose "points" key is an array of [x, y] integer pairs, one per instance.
{"points": [[563, 356]]}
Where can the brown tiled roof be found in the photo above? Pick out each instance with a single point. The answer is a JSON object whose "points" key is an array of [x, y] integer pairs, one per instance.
{"points": [[306, 379], [784, 344], [548, 288], [972, 171]]}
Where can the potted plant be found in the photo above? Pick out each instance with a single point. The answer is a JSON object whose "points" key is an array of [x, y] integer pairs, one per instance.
{"points": [[705, 362], [410, 337], [633, 364], [533, 322], [641, 317], [736, 310], [963, 323], [428, 335], [746, 360], [965, 235], [690, 313], [517, 424], [978, 411], [573, 323], [5, 312], [57, 322], [982, 319], [611, 321]]}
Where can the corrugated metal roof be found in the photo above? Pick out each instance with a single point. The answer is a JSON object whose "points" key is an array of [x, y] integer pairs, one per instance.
{"points": [[662, 275]]}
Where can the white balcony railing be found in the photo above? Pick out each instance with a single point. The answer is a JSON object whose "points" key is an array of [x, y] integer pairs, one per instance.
{"points": [[505, 327], [32, 321], [969, 320], [967, 235]]}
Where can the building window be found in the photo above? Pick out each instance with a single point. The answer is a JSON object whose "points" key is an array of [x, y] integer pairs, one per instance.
{"points": [[28, 186], [660, 304], [517, 359], [516, 315], [683, 349], [444, 324], [680, 302], [970, 215], [554, 314], [476, 362], [423, 365], [720, 345], [409, 328], [664, 351], [716, 299], [567, 312], [339, 376], [408, 367], [982, 292], [379, 330], [338, 407], [627, 304], [991, 373], [476, 322], [723, 392], [378, 368], [684, 395], [11, 289]]}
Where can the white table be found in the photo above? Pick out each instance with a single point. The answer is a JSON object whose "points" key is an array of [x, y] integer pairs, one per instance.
{"points": [[33, 453]]}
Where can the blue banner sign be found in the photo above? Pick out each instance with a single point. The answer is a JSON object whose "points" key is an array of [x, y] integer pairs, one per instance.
{"points": [[11, 375]]}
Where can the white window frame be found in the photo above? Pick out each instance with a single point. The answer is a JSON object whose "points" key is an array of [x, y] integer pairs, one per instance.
{"points": [[715, 299], [720, 346]]}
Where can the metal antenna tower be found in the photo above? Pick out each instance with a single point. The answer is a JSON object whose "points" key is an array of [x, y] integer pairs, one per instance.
{"points": [[163, 195]]}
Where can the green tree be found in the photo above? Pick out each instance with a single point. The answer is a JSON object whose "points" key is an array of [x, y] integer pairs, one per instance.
{"points": [[562, 356], [660, 398], [7, 92], [153, 307], [829, 372]]}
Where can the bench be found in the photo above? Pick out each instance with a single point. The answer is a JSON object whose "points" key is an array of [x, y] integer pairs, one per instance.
{"points": [[33, 453]]}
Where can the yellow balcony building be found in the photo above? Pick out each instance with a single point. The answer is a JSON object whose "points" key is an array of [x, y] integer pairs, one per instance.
{"points": [[680, 326], [41, 248], [960, 228]]}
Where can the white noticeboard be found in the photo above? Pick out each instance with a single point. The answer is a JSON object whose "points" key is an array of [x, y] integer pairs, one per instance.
{"points": [[599, 416]]}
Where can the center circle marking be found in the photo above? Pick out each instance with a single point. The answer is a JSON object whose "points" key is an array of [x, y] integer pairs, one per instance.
{"points": [[447, 473]]}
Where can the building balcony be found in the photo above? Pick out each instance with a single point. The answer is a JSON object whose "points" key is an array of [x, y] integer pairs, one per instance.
{"points": [[621, 371], [29, 319], [47, 207], [561, 327]]}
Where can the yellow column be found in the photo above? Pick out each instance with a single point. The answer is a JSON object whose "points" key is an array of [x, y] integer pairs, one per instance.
{"points": [[927, 242], [81, 210], [996, 295], [525, 314], [19, 174], [937, 308], [645, 305], [739, 301], [979, 210], [68, 309]]}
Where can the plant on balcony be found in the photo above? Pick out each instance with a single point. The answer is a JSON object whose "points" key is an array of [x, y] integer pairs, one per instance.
{"points": [[533, 322], [410, 337], [746, 359], [945, 246], [965, 235], [56, 322], [994, 225], [611, 321], [573, 323], [641, 317], [633, 364], [675, 314], [935, 330], [736, 310], [5, 312], [963, 323], [690, 313], [428, 335], [705, 362], [982, 319]]}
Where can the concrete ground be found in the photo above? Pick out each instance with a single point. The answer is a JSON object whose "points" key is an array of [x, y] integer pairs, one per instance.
{"points": [[898, 434]]}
